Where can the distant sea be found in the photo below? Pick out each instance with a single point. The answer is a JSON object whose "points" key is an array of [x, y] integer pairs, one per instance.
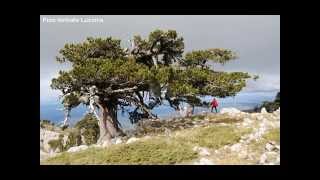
{"points": [[243, 101]]}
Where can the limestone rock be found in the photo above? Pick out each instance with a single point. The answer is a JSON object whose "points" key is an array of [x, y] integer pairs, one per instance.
{"points": [[260, 117], [78, 148], [277, 160], [56, 150], [264, 111], [96, 145], [270, 158], [247, 122], [106, 144], [43, 155], [118, 141], [230, 111], [263, 159], [132, 139], [204, 161], [195, 148], [202, 151], [277, 114], [147, 137], [236, 147], [243, 155], [269, 147]]}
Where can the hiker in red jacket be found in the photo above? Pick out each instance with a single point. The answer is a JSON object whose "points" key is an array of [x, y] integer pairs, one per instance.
{"points": [[214, 104]]}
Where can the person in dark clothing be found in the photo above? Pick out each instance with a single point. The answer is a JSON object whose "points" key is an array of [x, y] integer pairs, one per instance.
{"points": [[214, 104]]}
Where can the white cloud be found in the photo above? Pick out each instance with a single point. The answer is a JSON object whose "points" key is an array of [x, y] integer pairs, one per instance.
{"points": [[266, 82], [46, 93], [46, 74], [255, 38]]}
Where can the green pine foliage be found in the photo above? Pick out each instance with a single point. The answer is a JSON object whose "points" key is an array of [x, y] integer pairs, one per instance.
{"points": [[157, 66], [270, 106], [200, 57]]}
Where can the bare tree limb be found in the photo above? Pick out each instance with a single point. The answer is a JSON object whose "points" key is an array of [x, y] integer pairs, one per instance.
{"points": [[141, 105], [125, 90], [93, 108], [67, 116]]}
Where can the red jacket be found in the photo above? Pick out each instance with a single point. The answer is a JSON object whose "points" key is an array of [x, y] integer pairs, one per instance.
{"points": [[214, 103]]}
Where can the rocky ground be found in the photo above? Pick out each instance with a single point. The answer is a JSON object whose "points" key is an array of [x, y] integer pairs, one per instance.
{"points": [[253, 148], [261, 145]]}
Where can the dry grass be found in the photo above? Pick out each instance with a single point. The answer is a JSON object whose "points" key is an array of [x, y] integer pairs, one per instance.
{"points": [[157, 150], [256, 148], [175, 149], [212, 137]]}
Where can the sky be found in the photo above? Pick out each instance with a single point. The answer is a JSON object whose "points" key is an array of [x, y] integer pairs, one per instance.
{"points": [[255, 38]]}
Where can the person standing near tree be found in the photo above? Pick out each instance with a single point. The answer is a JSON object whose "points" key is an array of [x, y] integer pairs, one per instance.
{"points": [[214, 104]]}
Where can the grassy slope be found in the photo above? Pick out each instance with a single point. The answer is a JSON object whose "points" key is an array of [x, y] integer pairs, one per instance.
{"points": [[161, 149]]}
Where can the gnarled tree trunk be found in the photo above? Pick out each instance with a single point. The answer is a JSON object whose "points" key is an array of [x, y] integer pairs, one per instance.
{"points": [[108, 123]]}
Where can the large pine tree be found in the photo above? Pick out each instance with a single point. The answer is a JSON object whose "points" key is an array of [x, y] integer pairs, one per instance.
{"points": [[107, 77]]}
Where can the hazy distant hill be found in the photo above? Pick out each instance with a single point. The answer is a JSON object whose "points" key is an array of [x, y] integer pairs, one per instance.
{"points": [[243, 101]]}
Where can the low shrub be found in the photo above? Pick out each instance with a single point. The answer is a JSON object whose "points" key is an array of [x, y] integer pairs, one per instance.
{"points": [[211, 137], [57, 144], [64, 127], [259, 145], [270, 106], [74, 139], [46, 123], [153, 151], [273, 135], [89, 128], [197, 117]]}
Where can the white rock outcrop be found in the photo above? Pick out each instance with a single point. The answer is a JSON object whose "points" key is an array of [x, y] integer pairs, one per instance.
{"points": [[202, 151], [236, 147], [264, 111], [132, 139], [78, 148], [272, 146], [258, 123], [261, 123], [204, 161], [230, 111], [118, 141], [247, 122], [43, 155], [270, 158]]}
